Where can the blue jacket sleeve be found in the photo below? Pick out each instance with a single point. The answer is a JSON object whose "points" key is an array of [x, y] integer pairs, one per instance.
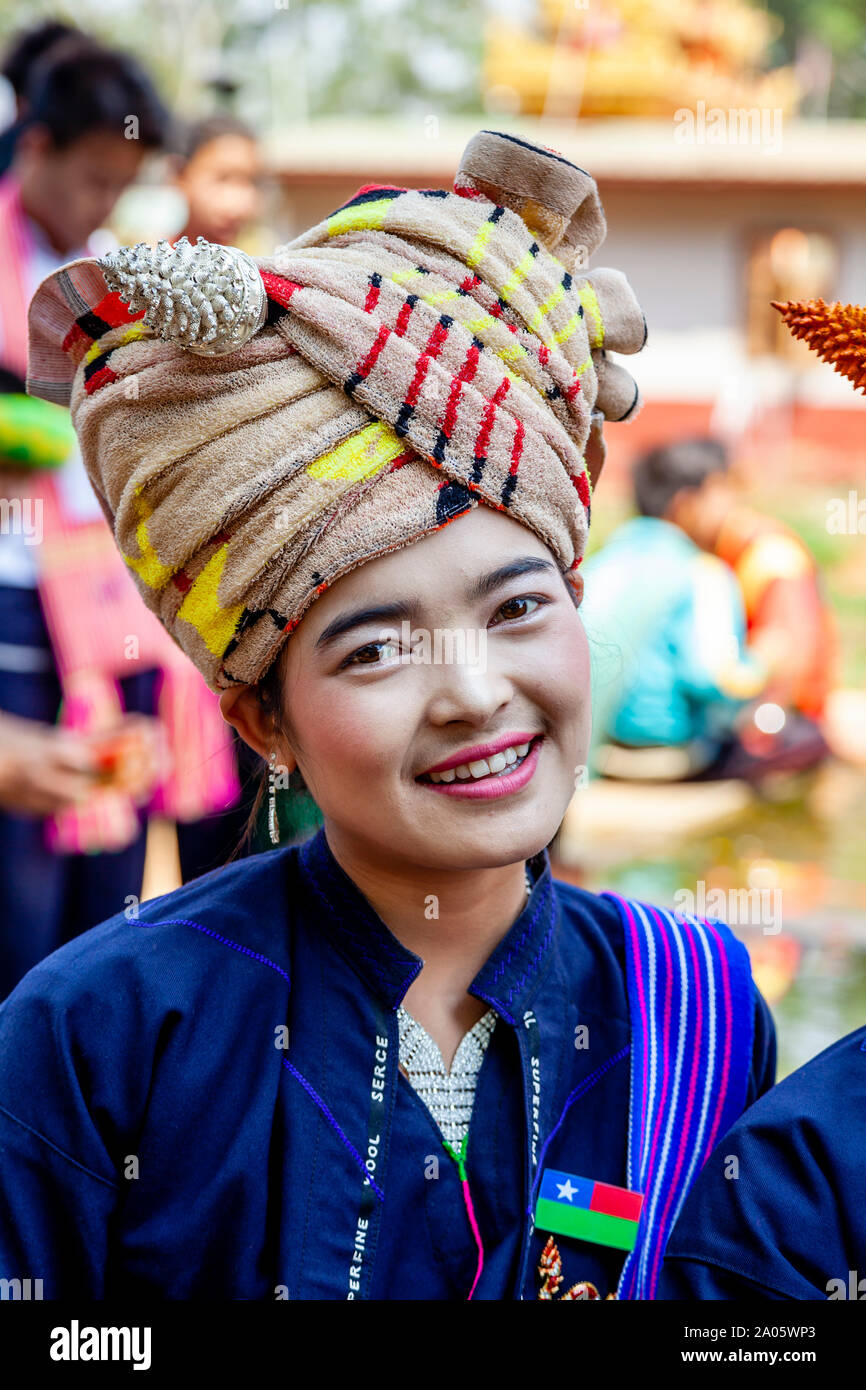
{"points": [[777, 1211], [54, 1215], [58, 1186], [77, 1042]]}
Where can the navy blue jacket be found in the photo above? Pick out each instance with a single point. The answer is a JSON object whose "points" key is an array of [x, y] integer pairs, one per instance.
{"points": [[192, 1103], [792, 1223]]}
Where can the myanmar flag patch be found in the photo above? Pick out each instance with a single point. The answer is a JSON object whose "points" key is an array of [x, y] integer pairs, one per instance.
{"points": [[588, 1210]]}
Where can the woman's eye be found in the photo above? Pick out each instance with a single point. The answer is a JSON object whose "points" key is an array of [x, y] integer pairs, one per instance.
{"points": [[523, 599], [357, 657]]}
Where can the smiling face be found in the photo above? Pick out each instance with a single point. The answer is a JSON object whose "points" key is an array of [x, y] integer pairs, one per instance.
{"points": [[369, 714]]}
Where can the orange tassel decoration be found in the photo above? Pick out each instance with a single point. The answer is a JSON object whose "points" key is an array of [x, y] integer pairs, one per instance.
{"points": [[837, 332]]}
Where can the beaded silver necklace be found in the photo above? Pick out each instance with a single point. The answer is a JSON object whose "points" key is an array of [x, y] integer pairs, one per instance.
{"points": [[449, 1096]]}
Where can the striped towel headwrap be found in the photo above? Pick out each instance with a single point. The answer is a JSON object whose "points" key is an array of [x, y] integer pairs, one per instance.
{"points": [[417, 353]]}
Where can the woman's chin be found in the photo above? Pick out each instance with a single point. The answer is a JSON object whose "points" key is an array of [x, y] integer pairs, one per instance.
{"points": [[490, 831]]}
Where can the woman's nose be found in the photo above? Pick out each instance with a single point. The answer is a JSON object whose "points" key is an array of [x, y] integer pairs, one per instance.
{"points": [[468, 689]]}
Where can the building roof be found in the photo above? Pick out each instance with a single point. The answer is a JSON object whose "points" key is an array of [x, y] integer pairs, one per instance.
{"points": [[761, 148]]}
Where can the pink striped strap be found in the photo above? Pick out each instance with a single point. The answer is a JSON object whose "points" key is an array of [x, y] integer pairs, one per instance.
{"points": [[692, 1002]]}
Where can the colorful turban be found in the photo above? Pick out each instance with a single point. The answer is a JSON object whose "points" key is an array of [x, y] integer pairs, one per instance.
{"points": [[256, 429]]}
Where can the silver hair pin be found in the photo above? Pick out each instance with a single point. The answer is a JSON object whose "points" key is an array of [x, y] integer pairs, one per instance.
{"points": [[207, 298]]}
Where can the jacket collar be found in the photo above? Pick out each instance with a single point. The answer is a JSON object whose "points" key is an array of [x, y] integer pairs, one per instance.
{"points": [[388, 968]]}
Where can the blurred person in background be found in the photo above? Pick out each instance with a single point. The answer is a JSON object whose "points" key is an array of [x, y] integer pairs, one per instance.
{"points": [[731, 647], [219, 174], [22, 55], [667, 630], [90, 115], [79, 750], [789, 625]]}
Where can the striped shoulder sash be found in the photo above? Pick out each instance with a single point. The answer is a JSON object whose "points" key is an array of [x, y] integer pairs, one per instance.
{"points": [[691, 1001]]}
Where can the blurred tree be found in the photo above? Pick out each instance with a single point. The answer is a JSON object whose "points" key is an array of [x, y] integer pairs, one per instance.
{"points": [[827, 40], [368, 57], [280, 61]]}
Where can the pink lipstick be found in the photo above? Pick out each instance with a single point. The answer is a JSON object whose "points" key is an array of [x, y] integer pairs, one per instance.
{"points": [[495, 784]]}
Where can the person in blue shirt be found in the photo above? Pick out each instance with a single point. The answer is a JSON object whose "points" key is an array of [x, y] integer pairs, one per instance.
{"points": [[398, 1060], [666, 622]]}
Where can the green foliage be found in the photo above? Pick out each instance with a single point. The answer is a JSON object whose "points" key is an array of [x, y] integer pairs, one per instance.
{"points": [[395, 55], [837, 26], [290, 60]]}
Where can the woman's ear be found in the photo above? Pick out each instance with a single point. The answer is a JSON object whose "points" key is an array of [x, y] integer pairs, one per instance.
{"points": [[574, 580], [242, 708]]}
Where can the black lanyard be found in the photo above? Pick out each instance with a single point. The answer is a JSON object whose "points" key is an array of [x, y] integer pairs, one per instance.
{"points": [[372, 1195]]}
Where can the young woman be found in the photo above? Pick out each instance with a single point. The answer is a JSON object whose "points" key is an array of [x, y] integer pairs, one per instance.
{"points": [[399, 1060]]}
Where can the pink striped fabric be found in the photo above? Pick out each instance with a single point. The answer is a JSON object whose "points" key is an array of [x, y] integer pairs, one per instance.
{"points": [[692, 1004]]}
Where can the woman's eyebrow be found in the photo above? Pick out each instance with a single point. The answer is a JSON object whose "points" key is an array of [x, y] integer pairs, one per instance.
{"points": [[359, 617], [407, 609], [527, 564]]}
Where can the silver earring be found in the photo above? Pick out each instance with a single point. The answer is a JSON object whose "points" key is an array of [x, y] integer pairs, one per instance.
{"points": [[273, 823]]}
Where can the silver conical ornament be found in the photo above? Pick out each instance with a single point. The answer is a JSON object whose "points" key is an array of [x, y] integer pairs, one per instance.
{"points": [[208, 298]]}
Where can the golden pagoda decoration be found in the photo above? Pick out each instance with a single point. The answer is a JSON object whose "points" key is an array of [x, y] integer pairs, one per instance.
{"points": [[593, 58], [837, 332]]}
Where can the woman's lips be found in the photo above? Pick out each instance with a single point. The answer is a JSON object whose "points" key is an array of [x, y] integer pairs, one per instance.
{"points": [[495, 784], [515, 739]]}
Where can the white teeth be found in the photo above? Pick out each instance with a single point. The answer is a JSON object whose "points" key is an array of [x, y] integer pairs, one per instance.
{"points": [[483, 767]]}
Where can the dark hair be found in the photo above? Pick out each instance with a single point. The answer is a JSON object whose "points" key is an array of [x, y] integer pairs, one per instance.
{"points": [[28, 46], [78, 87], [190, 139], [664, 471], [11, 384]]}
